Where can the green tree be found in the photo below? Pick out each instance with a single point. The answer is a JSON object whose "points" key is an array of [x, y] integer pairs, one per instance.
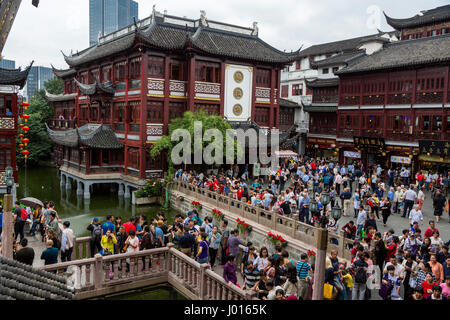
{"points": [[40, 112], [187, 123]]}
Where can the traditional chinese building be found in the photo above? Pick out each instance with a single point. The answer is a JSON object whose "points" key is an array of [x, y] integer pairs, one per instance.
{"points": [[394, 102], [121, 94], [428, 23], [311, 82], [11, 81]]}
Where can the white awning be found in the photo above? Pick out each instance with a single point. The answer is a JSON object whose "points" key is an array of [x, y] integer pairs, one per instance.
{"points": [[351, 154], [286, 154], [397, 159]]}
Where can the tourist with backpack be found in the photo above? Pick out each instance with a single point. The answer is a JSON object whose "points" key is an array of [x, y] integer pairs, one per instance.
{"points": [[20, 217], [96, 236], [360, 281]]}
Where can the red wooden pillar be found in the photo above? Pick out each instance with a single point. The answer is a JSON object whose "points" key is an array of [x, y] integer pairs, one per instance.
{"points": [[166, 94], [359, 106], [253, 102], [277, 97], [413, 102], [445, 99], [126, 118], [143, 126], [271, 105], [191, 84], [222, 89], [386, 90]]}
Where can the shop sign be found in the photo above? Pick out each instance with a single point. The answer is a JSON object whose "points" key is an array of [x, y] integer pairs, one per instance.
{"points": [[368, 142], [404, 160], [434, 147], [352, 154]]}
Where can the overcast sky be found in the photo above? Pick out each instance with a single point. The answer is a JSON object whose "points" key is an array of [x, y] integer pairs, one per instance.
{"points": [[40, 33]]}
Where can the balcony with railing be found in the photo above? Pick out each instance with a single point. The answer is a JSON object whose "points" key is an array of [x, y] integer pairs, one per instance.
{"points": [[372, 132], [319, 98], [322, 130], [7, 123], [399, 135], [57, 124], [207, 90], [348, 133], [262, 95]]}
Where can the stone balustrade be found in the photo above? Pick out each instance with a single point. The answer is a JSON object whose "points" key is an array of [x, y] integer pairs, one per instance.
{"points": [[103, 275], [289, 226]]}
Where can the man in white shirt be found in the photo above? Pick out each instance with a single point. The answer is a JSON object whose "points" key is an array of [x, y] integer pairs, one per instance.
{"points": [[415, 215], [410, 197], [399, 269]]}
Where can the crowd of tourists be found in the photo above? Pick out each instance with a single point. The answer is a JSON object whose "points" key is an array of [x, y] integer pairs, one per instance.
{"points": [[400, 264], [416, 261]]}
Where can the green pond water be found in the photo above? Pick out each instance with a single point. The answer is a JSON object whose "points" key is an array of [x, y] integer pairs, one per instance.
{"points": [[162, 292], [44, 184]]}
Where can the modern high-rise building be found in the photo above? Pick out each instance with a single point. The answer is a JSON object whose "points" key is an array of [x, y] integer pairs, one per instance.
{"points": [[7, 64], [106, 16], [36, 78]]}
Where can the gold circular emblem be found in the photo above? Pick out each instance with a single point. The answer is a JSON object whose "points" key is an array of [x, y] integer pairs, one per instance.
{"points": [[238, 76], [237, 109], [238, 93]]}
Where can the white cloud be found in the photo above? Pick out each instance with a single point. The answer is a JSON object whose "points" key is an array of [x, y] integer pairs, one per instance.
{"points": [[40, 33]]}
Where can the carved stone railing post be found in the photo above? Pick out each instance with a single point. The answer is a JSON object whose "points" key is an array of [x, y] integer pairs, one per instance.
{"points": [[74, 251], [168, 259], [98, 271], [202, 281]]}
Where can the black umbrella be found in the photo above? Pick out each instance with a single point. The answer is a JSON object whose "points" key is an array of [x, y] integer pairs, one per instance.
{"points": [[31, 202]]}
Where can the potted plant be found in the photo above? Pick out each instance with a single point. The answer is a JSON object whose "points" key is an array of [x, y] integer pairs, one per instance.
{"points": [[217, 214], [311, 256], [196, 205], [273, 240], [243, 227]]}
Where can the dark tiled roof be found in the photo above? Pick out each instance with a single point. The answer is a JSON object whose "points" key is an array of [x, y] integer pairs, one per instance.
{"points": [[19, 281], [431, 16], [339, 59], [97, 87], [319, 109], [63, 73], [59, 97], [16, 77], [321, 83], [285, 103], [403, 54], [333, 47], [168, 36], [101, 50], [92, 135], [290, 142], [237, 46]]}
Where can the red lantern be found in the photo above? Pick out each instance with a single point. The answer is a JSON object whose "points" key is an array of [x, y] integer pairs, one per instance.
{"points": [[21, 136], [21, 126], [26, 140], [26, 128], [21, 146], [25, 153], [26, 117], [25, 105]]}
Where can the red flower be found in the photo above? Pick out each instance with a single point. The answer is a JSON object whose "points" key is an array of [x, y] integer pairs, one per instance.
{"points": [[245, 224], [282, 240]]}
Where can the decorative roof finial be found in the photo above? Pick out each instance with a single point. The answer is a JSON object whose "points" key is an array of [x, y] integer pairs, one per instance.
{"points": [[165, 12], [99, 36], [203, 21], [255, 29], [154, 10]]}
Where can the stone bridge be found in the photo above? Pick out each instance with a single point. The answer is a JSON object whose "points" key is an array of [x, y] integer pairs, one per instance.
{"points": [[105, 275], [300, 237]]}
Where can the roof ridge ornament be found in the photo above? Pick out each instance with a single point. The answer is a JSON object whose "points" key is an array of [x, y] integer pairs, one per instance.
{"points": [[255, 28], [203, 21]]}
